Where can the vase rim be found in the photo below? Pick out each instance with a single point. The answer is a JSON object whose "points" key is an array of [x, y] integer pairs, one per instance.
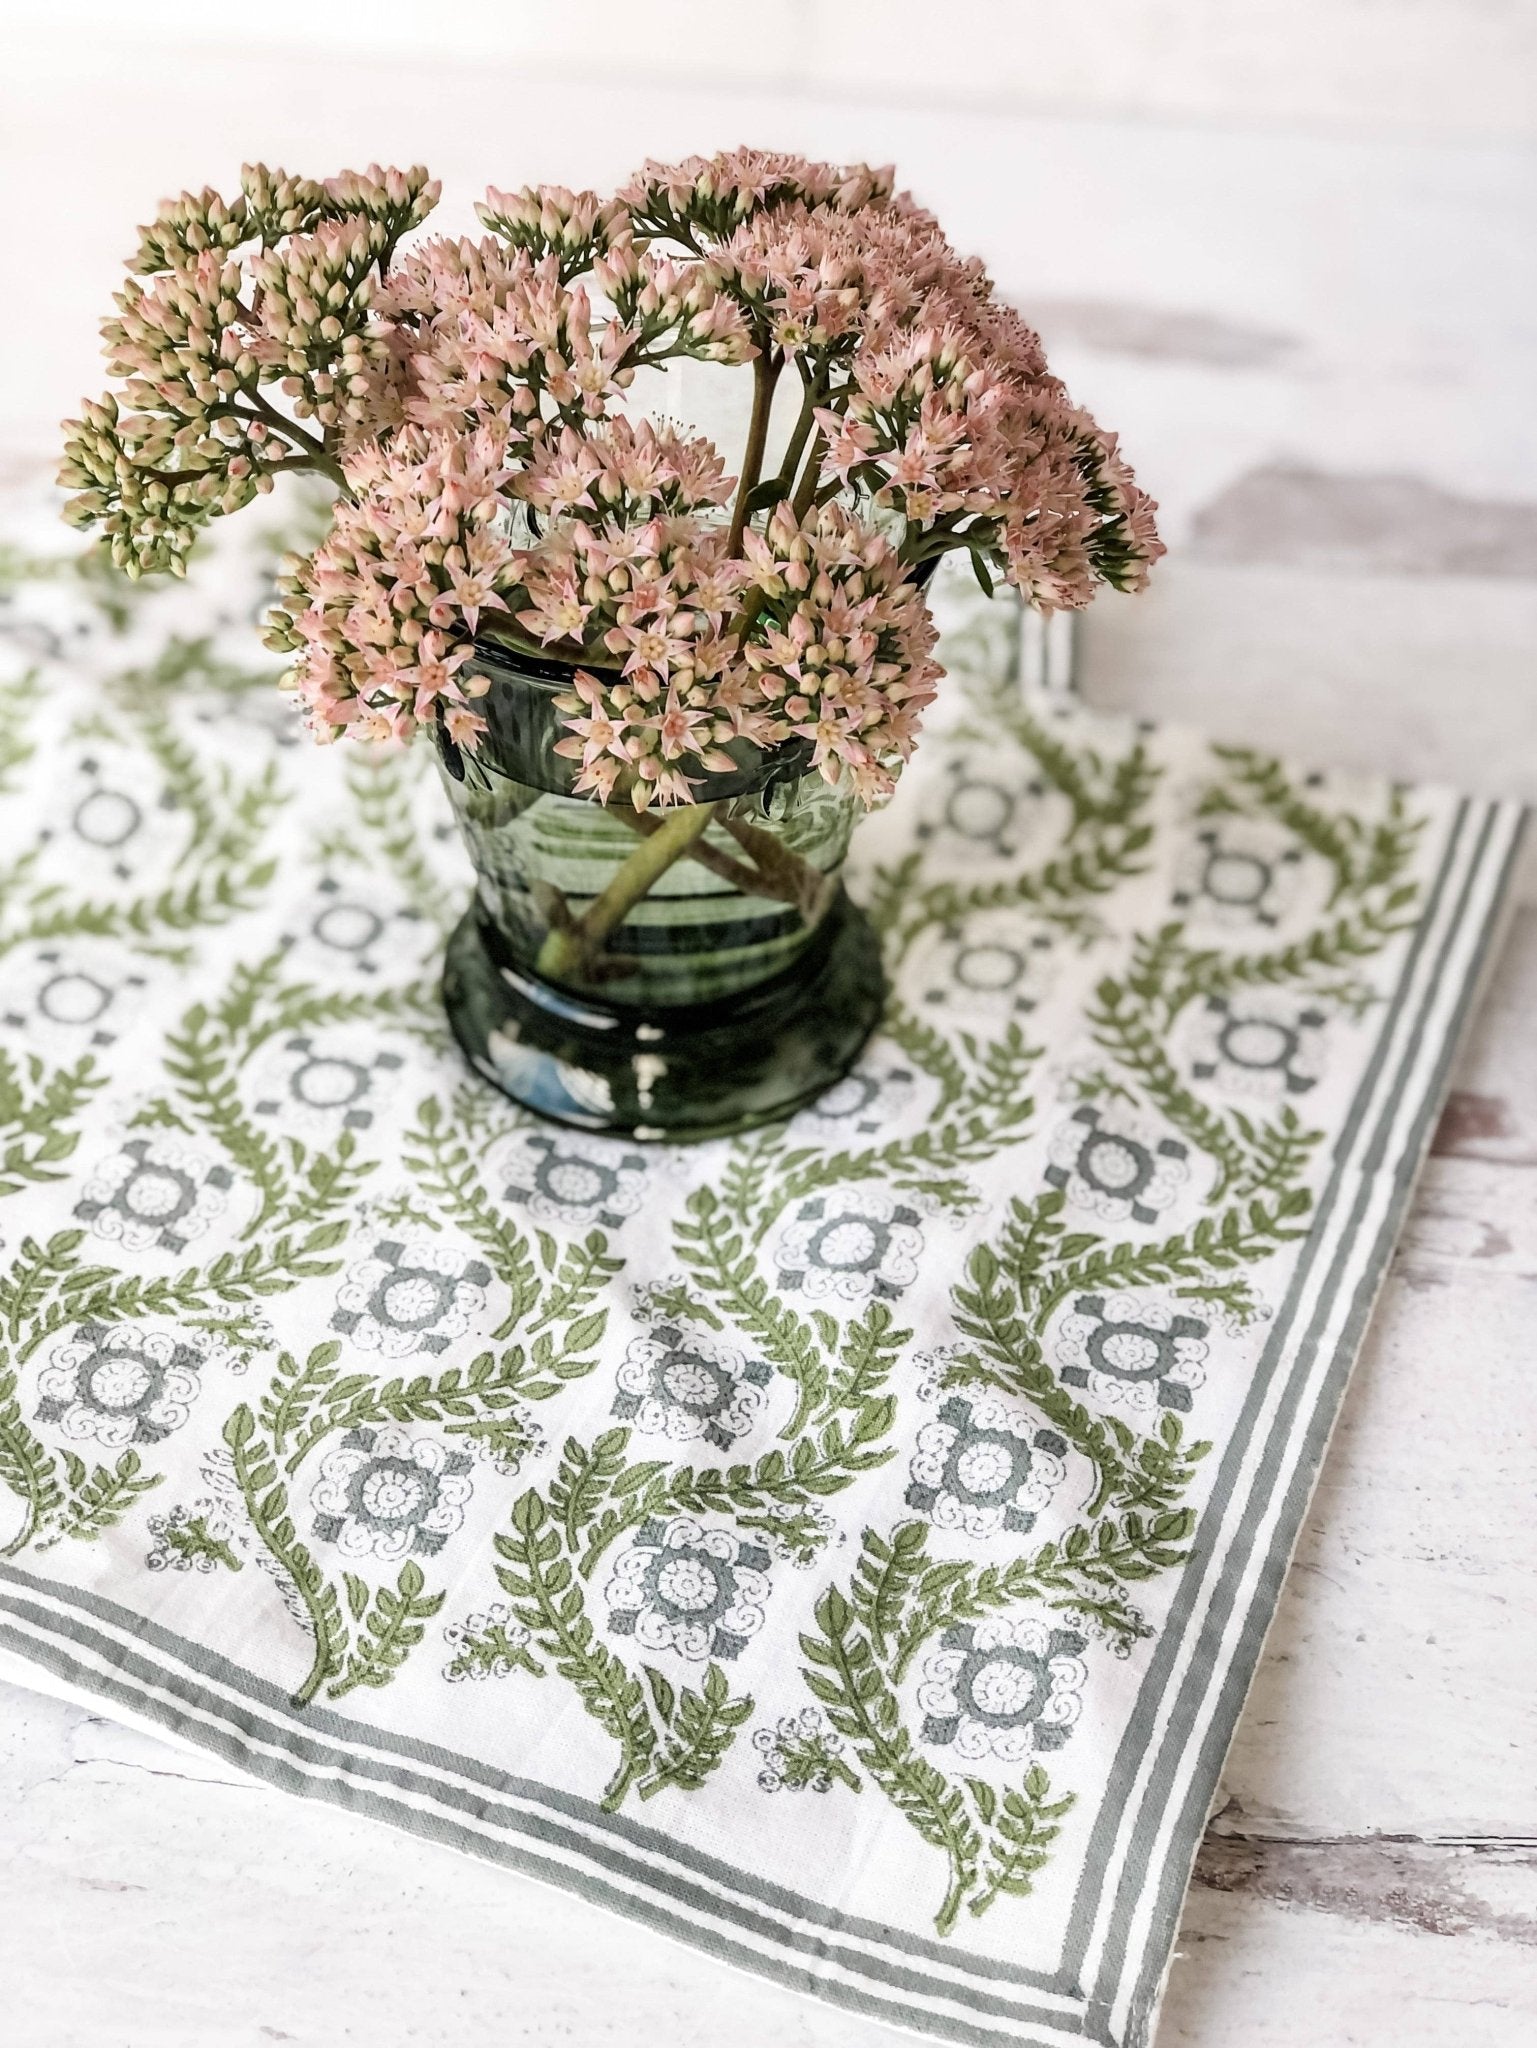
{"points": [[523, 723]]}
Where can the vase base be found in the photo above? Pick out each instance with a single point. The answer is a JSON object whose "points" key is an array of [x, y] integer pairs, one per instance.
{"points": [[707, 1070]]}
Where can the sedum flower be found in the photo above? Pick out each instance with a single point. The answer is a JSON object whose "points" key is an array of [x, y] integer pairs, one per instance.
{"points": [[382, 613], [467, 397], [224, 301], [575, 227]]}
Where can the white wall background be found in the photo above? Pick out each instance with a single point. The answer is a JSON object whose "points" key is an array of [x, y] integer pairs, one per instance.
{"points": [[1455, 69]]}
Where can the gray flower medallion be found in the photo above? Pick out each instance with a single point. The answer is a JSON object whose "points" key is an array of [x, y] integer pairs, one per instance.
{"points": [[863, 1101], [1257, 1045], [1117, 1169], [986, 809], [681, 1587], [993, 964], [384, 1494], [119, 1385], [1138, 1355], [980, 1468], [71, 993], [690, 1386], [561, 1178], [325, 1085], [854, 1244], [1238, 873], [72, 997], [106, 819], [1002, 1688], [410, 1297], [338, 928], [154, 1194]]}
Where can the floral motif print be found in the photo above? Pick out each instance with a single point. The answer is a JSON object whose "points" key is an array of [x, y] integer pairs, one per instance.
{"points": [[682, 1587], [489, 1645], [579, 1182], [871, 1458], [866, 1100], [980, 1468], [1257, 1044], [688, 1385], [410, 1297], [1132, 1354], [801, 1753], [83, 995], [326, 1086], [155, 1195], [1116, 1168], [385, 1494], [119, 1385], [1003, 1688], [1238, 872], [200, 1538], [852, 1245], [994, 964]]}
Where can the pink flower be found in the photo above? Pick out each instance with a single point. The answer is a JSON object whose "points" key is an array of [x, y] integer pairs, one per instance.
{"points": [[677, 728], [472, 390], [464, 727]]}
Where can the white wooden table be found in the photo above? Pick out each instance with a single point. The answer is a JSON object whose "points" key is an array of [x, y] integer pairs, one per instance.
{"points": [[1320, 354]]}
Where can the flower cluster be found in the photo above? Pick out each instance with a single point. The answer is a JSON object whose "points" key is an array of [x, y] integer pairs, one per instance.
{"points": [[382, 612], [484, 333], [710, 196], [224, 303], [469, 399]]}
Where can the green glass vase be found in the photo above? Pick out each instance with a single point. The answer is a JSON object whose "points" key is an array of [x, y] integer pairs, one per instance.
{"points": [[682, 974]]}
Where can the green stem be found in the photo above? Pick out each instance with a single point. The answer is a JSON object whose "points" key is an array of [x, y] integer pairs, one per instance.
{"points": [[944, 1919], [295, 435], [806, 489], [619, 1784], [765, 376], [748, 880], [567, 954], [258, 1497], [573, 1648], [896, 1765], [796, 879], [801, 432]]}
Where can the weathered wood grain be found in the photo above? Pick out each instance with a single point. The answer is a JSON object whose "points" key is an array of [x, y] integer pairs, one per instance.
{"points": [[1396, 1693], [1491, 1113], [1345, 1945]]}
